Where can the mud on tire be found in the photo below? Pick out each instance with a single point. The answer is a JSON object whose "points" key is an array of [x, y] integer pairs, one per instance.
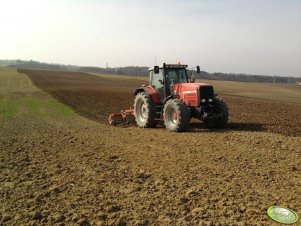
{"points": [[218, 118], [144, 110], [176, 115]]}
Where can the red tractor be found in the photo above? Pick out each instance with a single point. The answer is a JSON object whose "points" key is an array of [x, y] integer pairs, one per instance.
{"points": [[173, 99]]}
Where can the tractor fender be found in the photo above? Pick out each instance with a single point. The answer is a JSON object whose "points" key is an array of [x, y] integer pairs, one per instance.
{"points": [[151, 92], [139, 90], [171, 97]]}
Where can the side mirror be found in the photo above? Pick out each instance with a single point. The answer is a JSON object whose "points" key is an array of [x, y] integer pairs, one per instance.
{"points": [[156, 69], [198, 70]]}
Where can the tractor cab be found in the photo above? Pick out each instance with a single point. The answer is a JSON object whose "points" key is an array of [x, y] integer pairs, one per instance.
{"points": [[163, 78]]}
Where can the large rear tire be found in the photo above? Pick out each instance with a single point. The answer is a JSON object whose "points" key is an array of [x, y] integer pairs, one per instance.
{"points": [[176, 115], [219, 115], [144, 110]]}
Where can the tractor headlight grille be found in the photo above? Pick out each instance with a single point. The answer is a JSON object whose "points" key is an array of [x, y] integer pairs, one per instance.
{"points": [[206, 94]]}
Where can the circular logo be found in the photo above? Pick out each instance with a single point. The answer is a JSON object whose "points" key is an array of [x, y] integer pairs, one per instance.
{"points": [[282, 215]]}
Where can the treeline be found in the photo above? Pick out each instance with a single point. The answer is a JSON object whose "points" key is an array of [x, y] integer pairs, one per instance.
{"points": [[31, 64], [22, 64], [143, 71], [131, 70], [247, 78]]}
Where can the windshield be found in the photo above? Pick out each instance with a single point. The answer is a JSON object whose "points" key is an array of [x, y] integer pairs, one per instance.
{"points": [[175, 76]]}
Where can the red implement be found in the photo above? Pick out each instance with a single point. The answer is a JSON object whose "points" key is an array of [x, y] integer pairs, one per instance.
{"points": [[124, 117]]}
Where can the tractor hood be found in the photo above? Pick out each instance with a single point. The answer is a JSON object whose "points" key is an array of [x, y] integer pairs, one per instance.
{"points": [[194, 94], [188, 88]]}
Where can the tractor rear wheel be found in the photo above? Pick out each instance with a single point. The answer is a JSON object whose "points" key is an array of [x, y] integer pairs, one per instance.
{"points": [[144, 110], [219, 115], [176, 115]]}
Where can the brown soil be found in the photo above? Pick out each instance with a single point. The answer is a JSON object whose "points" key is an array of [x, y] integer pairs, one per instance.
{"points": [[96, 97], [74, 171]]}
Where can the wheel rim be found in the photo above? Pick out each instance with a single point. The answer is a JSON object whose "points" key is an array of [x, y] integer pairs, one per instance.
{"points": [[172, 116], [141, 111]]}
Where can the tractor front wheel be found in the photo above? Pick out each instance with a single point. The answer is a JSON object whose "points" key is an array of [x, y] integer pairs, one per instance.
{"points": [[176, 115], [219, 115], [144, 110]]}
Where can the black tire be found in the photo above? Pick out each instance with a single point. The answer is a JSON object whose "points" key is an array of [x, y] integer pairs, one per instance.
{"points": [[219, 115], [144, 110], [176, 115]]}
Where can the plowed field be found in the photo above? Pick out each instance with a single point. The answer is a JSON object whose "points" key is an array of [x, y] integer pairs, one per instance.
{"points": [[96, 97], [68, 169]]}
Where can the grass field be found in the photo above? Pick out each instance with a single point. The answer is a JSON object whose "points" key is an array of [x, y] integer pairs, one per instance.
{"points": [[18, 96]]}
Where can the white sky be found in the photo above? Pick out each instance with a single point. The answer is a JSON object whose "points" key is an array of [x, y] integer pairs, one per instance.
{"points": [[247, 36]]}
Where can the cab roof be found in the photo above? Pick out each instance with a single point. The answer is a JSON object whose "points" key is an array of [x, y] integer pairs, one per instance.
{"points": [[176, 66]]}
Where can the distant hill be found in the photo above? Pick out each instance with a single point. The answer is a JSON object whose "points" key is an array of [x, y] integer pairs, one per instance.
{"points": [[142, 71], [22, 64]]}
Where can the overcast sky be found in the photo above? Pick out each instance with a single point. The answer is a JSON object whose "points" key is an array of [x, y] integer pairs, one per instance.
{"points": [[240, 36]]}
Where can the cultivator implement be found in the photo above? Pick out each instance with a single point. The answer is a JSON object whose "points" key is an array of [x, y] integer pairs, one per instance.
{"points": [[124, 117]]}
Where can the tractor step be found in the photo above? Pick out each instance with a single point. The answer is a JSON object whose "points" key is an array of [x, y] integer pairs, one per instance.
{"points": [[158, 112]]}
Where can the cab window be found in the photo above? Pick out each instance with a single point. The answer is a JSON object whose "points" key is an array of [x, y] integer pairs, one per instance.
{"points": [[156, 80], [175, 76]]}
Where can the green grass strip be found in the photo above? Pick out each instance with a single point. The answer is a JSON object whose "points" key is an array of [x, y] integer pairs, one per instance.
{"points": [[60, 108], [8, 107], [41, 107]]}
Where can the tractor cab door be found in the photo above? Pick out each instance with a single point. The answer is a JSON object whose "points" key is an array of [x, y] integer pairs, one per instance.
{"points": [[157, 81], [175, 76]]}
